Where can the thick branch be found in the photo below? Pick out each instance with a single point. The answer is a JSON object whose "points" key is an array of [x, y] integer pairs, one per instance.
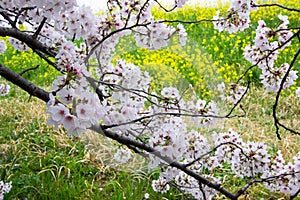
{"points": [[27, 39], [18, 80]]}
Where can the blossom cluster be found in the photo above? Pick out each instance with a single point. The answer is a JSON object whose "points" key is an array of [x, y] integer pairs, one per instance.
{"points": [[4, 189], [18, 45], [159, 35], [272, 78], [237, 19], [86, 111], [264, 51], [207, 111], [184, 149], [122, 155], [288, 175], [2, 46], [4, 89], [247, 159], [232, 94]]}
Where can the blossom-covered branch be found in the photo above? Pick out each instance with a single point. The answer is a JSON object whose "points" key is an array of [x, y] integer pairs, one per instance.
{"points": [[114, 97]]}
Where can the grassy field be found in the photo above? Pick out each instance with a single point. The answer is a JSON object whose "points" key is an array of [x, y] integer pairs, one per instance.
{"points": [[43, 163]]}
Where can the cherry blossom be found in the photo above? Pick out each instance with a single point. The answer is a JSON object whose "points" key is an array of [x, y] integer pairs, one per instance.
{"points": [[196, 145], [283, 33], [298, 92], [4, 188], [288, 184], [18, 45], [272, 77], [254, 55], [182, 34], [160, 185], [225, 152], [237, 19], [232, 94], [205, 109], [253, 160], [264, 53], [2, 46], [122, 155], [146, 196], [189, 184], [66, 95], [4, 89], [154, 36], [170, 92], [169, 140], [180, 3]]}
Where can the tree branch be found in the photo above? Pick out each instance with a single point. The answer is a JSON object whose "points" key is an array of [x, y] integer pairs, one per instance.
{"points": [[29, 40], [6, 17], [27, 86], [166, 10], [277, 5], [276, 120], [37, 32], [29, 69]]}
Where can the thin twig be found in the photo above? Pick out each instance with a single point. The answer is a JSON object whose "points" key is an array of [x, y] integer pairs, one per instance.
{"points": [[53, 64], [29, 69], [235, 105], [165, 9], [276, 5], [276, 120], [37, 32]]}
